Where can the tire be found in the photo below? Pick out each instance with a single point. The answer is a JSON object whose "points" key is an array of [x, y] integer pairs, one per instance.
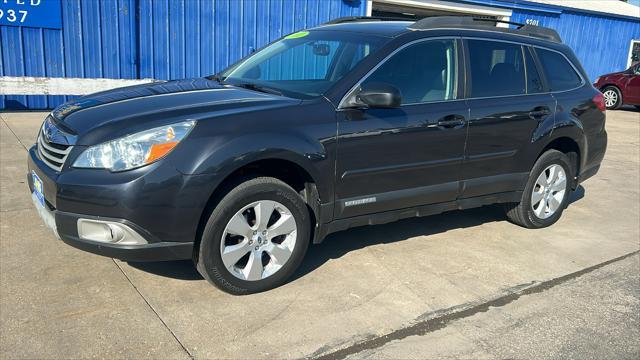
{"points": [[637, 107], [612, 97], [259, 269], [532, 215]]}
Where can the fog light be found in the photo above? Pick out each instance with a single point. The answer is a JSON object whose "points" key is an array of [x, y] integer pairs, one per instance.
{"points": [[108, 232]]}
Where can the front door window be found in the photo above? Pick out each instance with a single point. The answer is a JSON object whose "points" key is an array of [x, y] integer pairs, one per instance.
{"points": [[423, 72]]}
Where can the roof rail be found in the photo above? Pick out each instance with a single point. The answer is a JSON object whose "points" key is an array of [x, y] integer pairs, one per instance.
{"points": [[483, 23], [348, 19]]}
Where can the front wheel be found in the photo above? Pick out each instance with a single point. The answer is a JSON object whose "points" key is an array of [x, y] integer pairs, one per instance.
{"points": [[612, 97], [255, 238], [546, 194]]}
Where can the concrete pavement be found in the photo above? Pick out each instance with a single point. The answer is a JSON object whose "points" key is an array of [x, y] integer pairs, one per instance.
{"points": [[359, 285], [594, 315]]}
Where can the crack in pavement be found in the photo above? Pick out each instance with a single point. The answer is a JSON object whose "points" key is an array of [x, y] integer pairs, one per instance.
{"points": [[117, 265], [12, 132], [437, 320], [154, 310]]}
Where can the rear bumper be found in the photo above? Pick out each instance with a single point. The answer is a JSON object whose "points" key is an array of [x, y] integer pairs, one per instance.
{"points": [[595, 155], [587, 173]]}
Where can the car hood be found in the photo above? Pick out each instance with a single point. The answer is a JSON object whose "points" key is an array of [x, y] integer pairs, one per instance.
{"points": [[110, 114]]}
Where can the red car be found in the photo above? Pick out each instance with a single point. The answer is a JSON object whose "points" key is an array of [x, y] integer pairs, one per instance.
{"points": [[621, 87]]}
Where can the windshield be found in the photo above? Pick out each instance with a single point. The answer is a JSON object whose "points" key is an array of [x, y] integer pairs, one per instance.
{"points": [[304, 64]]}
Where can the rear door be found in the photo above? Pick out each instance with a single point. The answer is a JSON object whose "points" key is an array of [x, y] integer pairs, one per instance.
{"points": [[389, 159], [510, 108]]}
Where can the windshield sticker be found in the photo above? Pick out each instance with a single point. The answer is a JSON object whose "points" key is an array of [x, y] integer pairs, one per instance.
{"points": [[299, 34]]}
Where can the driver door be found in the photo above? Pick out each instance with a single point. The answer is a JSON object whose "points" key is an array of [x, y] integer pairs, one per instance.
{"points": [[390, 159]]}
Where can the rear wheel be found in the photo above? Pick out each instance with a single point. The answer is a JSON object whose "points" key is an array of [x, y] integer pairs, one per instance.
{"points": [[612, 97], [546, 194], [255, 238]]}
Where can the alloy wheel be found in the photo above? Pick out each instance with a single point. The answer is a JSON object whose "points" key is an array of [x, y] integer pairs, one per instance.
{"points": [[610, 98], [549, 191], [258, 240]]}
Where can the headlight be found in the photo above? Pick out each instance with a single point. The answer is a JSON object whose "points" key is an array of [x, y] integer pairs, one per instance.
{"points": [[597, 80], [134, 150]]}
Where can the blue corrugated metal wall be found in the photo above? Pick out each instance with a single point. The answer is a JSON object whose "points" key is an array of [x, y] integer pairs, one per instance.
{"points": [[98, 40], [169, 39], [161, 39], [600, 42]]}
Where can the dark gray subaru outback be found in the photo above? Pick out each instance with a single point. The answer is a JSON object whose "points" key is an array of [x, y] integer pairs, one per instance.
{"points": [[358, 121]]}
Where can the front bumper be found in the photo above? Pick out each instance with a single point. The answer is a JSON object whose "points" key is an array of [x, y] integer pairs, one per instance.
{"points": [[138, 201], [64, 228], [160, 251]]}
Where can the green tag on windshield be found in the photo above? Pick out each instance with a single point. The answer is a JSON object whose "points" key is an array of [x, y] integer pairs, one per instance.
{"points": [[299, 34]]}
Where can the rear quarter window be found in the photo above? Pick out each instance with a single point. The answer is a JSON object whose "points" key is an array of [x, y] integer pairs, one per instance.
{"points": [[559, 72]]}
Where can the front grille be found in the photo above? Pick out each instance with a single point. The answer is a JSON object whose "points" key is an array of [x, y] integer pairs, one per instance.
{"points": [[54, 155]]}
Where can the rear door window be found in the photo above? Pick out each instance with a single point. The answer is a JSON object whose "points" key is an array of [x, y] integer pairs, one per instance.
{"points": [[497, 68], [559, 73]]}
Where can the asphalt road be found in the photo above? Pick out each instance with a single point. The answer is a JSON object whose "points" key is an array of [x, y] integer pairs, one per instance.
{"points": [[462, 284]]}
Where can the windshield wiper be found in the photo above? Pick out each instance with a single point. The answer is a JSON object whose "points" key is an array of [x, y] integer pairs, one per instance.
{"points": [[260, 88]]}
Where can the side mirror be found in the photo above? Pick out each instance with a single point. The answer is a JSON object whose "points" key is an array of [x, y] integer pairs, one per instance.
{"points": [[378, 95]]}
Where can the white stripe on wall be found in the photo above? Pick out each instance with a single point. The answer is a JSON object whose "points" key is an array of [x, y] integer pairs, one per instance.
{"points": [[27, 85], [448, 6]]}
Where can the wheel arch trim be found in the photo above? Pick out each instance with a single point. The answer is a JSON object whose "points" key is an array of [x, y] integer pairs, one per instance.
{"points": [[572, 135]]}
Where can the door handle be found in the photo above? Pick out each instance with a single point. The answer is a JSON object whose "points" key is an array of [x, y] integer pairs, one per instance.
{"points": [[451, 121], [539, 113]]}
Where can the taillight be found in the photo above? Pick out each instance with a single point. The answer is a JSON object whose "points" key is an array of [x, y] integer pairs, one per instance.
{"points": [[599, 101]]}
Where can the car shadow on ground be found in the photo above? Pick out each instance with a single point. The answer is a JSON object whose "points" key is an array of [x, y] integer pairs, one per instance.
{"points": [[628, 108], [338, 244]]}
